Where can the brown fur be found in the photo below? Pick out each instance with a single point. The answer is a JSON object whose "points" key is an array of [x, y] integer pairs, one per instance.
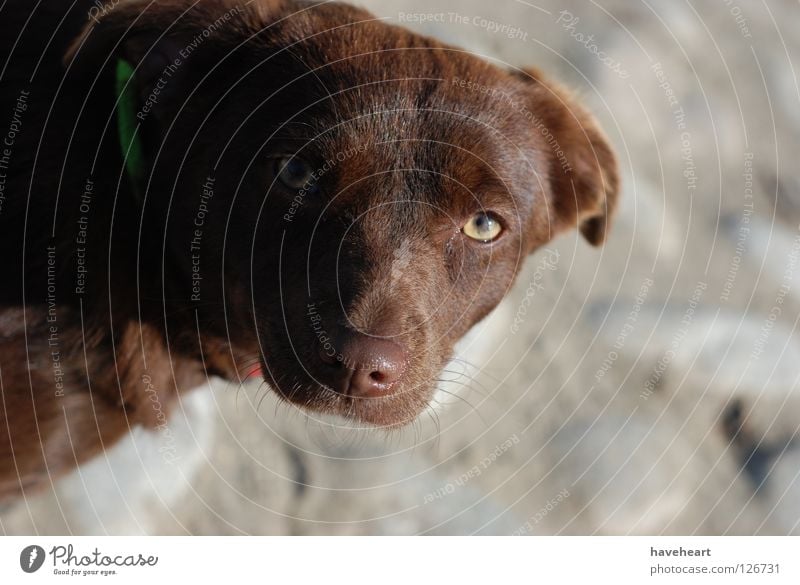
{"points": [[431, 135]]}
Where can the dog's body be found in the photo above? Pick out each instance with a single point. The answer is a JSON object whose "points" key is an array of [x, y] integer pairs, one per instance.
{"points": [[128, 282]]}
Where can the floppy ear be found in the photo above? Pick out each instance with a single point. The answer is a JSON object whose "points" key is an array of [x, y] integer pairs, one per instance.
{"points": [[152, 38], [142, 53], [583, 176]]}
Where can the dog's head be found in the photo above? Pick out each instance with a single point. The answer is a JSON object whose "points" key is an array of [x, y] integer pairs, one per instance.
{"points": [[359, 196]]}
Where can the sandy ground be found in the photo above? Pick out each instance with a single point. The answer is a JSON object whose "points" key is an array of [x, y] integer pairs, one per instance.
{"points": [[603, 410]]}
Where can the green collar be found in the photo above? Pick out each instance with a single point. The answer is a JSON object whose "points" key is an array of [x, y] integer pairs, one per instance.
{"points": [[129, 141]]}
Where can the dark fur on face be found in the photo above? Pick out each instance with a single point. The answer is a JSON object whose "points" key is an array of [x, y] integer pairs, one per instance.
{"points": [[408, 139]]}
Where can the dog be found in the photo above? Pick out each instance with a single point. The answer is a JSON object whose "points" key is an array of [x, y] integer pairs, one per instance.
{"points": [[290, 189]]}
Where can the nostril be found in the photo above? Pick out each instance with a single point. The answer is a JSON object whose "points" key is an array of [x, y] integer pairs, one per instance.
{"points": [[388, 366], [328, 358], [363, 366]]}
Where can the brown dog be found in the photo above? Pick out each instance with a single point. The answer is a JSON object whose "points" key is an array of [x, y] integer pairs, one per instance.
{"points": [[197, 188]]}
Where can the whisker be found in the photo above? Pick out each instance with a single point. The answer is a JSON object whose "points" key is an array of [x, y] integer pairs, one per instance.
{"points": [[468, 385], [465, 401], [478, 387], [479, 369]]}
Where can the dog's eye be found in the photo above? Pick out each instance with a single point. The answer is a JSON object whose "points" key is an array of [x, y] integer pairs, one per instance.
{"points": [[295, 173], [483, 227]]}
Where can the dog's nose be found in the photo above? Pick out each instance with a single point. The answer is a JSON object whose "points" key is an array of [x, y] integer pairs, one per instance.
{"points": [[363, 366]]}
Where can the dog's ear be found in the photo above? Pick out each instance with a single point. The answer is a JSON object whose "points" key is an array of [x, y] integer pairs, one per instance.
{"points": [[153, 38], [583, 180], [147, 53]]}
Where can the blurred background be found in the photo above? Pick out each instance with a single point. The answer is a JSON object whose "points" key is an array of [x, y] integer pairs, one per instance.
{"points": [[650, 386]]}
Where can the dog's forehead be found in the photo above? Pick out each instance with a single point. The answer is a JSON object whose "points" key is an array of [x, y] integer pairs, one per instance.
{"points": [[425, 127], [360, 65], [401, 167], [398, 178], [403, 117]]}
